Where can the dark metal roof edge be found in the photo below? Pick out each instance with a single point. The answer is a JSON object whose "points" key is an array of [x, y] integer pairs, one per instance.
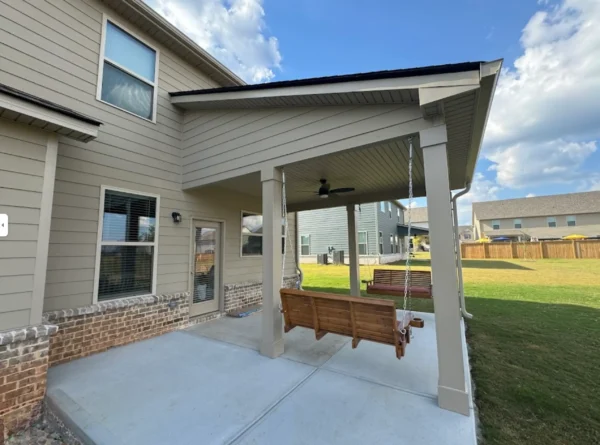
{"points": [[374, 75], [47, 104]]}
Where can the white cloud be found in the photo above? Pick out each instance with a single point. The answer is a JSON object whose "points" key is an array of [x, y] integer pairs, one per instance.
{"points": [[233, 31], [530, 195], [532, 164], [545, 115]]}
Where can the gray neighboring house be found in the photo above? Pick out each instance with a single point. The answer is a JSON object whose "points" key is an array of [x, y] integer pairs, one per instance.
{"points": [[539, 218], [380, 232]]}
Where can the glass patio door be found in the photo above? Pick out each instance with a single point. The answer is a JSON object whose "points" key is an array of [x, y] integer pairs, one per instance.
{"points": [[206, 260]]}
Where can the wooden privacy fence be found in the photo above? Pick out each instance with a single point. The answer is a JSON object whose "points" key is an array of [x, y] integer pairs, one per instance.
{"points": [[587, 249]]}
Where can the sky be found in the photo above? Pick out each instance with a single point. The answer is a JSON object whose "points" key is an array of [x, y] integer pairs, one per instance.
{"points": [[544, 129]]}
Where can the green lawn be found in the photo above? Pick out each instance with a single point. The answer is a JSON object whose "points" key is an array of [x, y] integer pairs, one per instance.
{"points": [[534, 345]]}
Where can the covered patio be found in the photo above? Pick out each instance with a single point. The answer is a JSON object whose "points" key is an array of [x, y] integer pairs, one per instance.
{"points": [[208, 384], [352, 131]]}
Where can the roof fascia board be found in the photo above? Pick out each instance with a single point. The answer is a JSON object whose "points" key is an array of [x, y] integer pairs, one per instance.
{"points": [[53, 117], [490, 73], [465, 78], [429, 95]]}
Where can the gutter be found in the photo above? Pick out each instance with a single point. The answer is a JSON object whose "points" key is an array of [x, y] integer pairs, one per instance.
{"points": [[461, 289]]}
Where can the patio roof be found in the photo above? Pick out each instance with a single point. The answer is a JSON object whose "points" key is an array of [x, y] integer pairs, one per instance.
{"points": [[414, 230], [352, 130]]}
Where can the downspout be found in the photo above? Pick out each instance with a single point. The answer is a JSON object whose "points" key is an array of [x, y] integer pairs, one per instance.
{"points": [[461, 289]]}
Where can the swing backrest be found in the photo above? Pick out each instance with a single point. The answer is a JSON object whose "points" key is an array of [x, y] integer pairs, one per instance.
{"points": [[396, 277], [361, 318]]}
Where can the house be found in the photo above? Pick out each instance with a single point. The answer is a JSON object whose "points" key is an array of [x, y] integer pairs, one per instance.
{"points": [[380, 232], [539, 218], [465, 233], [143, 181]]}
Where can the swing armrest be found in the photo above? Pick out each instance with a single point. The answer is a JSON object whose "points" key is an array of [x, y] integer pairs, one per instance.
{"points": [[367, 281]]}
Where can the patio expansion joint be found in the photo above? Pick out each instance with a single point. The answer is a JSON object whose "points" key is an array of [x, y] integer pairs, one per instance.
{"points": [[375, 382], [269, 409]]}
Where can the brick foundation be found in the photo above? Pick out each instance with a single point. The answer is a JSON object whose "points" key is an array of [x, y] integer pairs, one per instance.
{"points": [[23, 368], [249, 293], [88, 330]]}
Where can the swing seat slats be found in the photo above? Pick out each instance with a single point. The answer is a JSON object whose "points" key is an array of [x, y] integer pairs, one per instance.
{"points": [[391, 282], [356, 317]]}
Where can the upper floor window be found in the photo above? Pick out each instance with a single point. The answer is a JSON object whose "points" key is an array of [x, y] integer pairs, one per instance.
{"points": [[518, 224], [571, 221], [380, 243], [551, 220], [382, 206], [495, 224], [392, 245], [128, 72], [390, 209], [398, 212]]}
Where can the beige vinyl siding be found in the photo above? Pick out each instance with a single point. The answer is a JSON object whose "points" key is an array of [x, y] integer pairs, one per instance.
{"points": [[22, 159], [51, 49], [220, 144]]}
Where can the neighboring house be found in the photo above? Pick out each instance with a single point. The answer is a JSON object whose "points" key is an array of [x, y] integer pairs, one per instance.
{"points": [[465, 233], [539, 218], [418, 216], [143, 181], [380, 238]]}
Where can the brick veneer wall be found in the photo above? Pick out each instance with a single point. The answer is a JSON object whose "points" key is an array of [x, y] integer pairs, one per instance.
{"points": [[23, 368], [239, 295], [96, 328]]}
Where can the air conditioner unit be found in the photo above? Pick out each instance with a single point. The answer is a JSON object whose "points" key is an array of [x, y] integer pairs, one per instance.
{"points": [[322, 258], [338, 257]]}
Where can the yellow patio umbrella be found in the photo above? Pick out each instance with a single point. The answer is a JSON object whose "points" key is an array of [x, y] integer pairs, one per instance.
{"points": [[575, 237], [483, 240]]}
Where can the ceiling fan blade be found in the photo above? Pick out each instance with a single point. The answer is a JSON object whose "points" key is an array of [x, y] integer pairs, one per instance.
{"points": [[342, 190]]}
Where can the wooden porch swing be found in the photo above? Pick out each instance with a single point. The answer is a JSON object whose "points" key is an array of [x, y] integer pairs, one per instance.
{"points": [[394, 281], [358, 317]]}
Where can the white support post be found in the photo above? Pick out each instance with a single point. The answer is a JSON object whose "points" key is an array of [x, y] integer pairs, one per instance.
{"points": [[43, 240], [272, 321], [353, 251], [452, 388]]}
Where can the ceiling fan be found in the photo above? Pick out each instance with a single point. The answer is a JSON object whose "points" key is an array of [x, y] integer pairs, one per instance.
{"points": [[325, 189]]}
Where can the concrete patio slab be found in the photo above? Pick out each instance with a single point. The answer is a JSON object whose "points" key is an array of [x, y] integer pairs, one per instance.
{"points": [[330, 408], [417, 372], [300, 343], [177, 388], [199, 386]]}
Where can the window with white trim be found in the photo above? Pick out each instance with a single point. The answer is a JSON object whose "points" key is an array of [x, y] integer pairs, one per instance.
{"points": [[496, 224], [518, 223], [304, 244], [128, 72], [398, 212], [392, 248], [362, 243], [571, 221], [551, 220], [390, 209], [127, 244], [382, 206], [380, 243], [252, 234]]}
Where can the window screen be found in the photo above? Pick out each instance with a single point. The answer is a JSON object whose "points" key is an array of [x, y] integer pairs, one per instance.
{"points": [[127, 246], [362, 243]]}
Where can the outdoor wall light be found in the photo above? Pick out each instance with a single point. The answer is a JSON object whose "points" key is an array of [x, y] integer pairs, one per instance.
{"points": [[176, 217]]}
